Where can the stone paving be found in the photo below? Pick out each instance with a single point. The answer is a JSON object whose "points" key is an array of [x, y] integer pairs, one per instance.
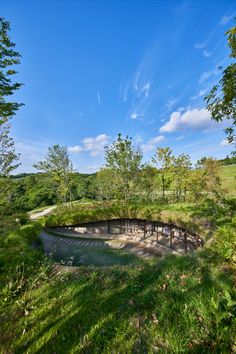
{"points": [[143, 247]]}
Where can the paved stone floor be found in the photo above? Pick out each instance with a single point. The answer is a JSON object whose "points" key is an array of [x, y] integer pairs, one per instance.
{"points": [[135, 243]]}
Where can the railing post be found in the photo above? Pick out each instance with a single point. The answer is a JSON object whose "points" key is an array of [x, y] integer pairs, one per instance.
{"points": [[171, 238], [185, 242]]}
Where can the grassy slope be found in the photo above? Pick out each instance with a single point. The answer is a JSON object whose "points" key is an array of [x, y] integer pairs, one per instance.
{"points": [[228, 175], [179, 304], [174, 305]]}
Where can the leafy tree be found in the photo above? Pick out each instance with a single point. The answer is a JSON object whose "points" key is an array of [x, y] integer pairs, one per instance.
{"points": [[7, 151], [148, 182], [211, 170], [181, 174], [59, 167], [221, 101], [8, 59], [163, 160], [83, 186], [106, 183], [125, 162], [196, 184]]}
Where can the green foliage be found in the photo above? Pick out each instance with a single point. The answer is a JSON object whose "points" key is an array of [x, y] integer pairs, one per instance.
{"points": [[221, 101], [59, 167], [124, 162], [228, 160], [8, 57], [225, 242], [7, 151], [182, 172], [16, 244], [163, 159]]}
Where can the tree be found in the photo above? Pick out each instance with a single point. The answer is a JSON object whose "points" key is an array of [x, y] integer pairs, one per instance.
{"points": [[59, 167], [211, 178], [125, 161], [8, 58], [163, 160], [181, 172], [221, 101], [148, 182], [106, 184], [7, 151]]}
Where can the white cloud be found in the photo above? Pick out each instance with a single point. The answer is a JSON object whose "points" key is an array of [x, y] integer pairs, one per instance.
{"points": [[224, 142], [95, 146], [206, 75], [199, 45], [134, 115], [146, 88], [152, 143], [170, 103], [199, 94], [226, 19], [180, 138], [195, 119], [206, 53], [75, 149]]}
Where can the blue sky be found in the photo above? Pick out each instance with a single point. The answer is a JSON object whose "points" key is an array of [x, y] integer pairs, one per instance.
{"points": [[94, 69]]}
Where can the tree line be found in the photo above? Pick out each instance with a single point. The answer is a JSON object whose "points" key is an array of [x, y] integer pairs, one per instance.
{"points": [[125, 177]]}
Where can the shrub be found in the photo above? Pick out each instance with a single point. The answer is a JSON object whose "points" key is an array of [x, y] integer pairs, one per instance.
{"points": [[225, 242], [16, 246]]}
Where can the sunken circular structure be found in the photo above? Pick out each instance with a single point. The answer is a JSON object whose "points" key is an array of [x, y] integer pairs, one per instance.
{"points": [[154, 235]]}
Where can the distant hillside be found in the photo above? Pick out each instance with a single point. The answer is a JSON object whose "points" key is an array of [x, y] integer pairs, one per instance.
{"points": [[228, 175]]}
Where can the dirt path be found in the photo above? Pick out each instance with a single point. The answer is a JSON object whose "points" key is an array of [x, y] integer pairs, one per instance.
{"points": [[42, 213]]}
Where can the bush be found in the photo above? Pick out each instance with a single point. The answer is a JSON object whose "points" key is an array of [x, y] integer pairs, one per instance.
{"points": [[225, 242], [17, 247], [23, 218]]}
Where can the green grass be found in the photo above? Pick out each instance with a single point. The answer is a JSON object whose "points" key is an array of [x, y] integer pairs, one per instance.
{"points": [[176, 305], [228, 176]]}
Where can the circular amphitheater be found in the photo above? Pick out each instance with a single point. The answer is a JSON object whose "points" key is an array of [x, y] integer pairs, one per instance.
{"points": [[142, 238]]}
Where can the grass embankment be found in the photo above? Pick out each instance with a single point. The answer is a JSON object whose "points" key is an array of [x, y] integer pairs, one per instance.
{"points": [[228, 176], [173, 305], [179, 304], [184, 215]]}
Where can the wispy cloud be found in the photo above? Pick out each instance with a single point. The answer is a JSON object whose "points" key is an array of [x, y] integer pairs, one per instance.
{"points": [[95, 146], [206, 53], [200, 94], [98, 97], [170, 103], [224, 142], [226, 19], [200, 45], [207, 75], [30, 151], [152, 143]]}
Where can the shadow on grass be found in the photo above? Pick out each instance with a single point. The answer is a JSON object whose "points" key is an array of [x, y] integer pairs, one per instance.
{"points": [[174, 305]]}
